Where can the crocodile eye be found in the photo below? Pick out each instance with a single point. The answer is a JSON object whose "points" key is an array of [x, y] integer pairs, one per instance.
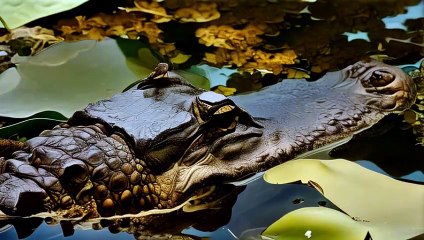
{"points": [[216, 110]]}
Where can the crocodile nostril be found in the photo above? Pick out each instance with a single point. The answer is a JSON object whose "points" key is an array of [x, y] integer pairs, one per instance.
{"points": [[378, 78]]}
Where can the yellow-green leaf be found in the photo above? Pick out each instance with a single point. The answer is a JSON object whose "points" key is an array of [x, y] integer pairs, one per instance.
{"points": [[296, 73], [317, 223], [391, 209], [180, 58], [226, 91], [16, 13]]}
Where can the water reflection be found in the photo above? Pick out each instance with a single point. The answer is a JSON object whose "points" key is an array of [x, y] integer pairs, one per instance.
{"points": [[159, 225], [388, 145], [233, 218]]}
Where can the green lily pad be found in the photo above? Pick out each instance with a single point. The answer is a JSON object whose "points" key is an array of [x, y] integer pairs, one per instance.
{"points": [[69, 75], [50, 115], [27, 128], [216, 76], [139, 58], [16, 13], [317, 223], [197, 80], [389, 208]]}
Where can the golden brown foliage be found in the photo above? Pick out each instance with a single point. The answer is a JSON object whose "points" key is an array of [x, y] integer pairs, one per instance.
{"points": [[157, 11], [35, 38], [120, 24], [415, 115], [101, 25], [256, 34], [251, 59], [227, 37], [199, 12]]}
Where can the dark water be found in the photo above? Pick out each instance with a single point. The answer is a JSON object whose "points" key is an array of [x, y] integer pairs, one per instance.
{"points": [[261, 204]]}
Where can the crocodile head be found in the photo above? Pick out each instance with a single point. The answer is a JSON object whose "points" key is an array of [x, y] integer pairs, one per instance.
{"points": [[165, 140], [191, 139]]}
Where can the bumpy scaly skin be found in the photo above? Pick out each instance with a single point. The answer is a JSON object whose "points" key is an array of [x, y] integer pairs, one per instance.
{"points": [[89, 162], [8, 147]]}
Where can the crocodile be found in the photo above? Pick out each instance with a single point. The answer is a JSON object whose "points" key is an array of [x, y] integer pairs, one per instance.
{"points": [[164, 140]]}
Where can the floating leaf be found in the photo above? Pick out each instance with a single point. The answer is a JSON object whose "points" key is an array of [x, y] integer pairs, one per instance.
{"points": [[8, 80], [229, 38], [194, 78], [152, 8], [139, 58], [180, 58], [216, 76], [226, 91], [317, 223], [296, 73], [253, 211], [389, 208], [68, 76], [410, 116], [36, 38], [246, 82], [415, 115], [198, 12], [27, 128], [16, 13]]}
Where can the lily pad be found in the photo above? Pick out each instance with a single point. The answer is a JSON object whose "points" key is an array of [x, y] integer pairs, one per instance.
{"points": [[16, 13], [69, 75], [389, 208], [216, 76], [27, 128], [317, 223], [197, 80]]}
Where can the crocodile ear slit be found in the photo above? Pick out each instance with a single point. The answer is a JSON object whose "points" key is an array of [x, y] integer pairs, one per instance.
{"points": [[245, 115]]}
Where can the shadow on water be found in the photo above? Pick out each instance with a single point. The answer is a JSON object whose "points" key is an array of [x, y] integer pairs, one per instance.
{"points": [[387, 145], [249, 210]]}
